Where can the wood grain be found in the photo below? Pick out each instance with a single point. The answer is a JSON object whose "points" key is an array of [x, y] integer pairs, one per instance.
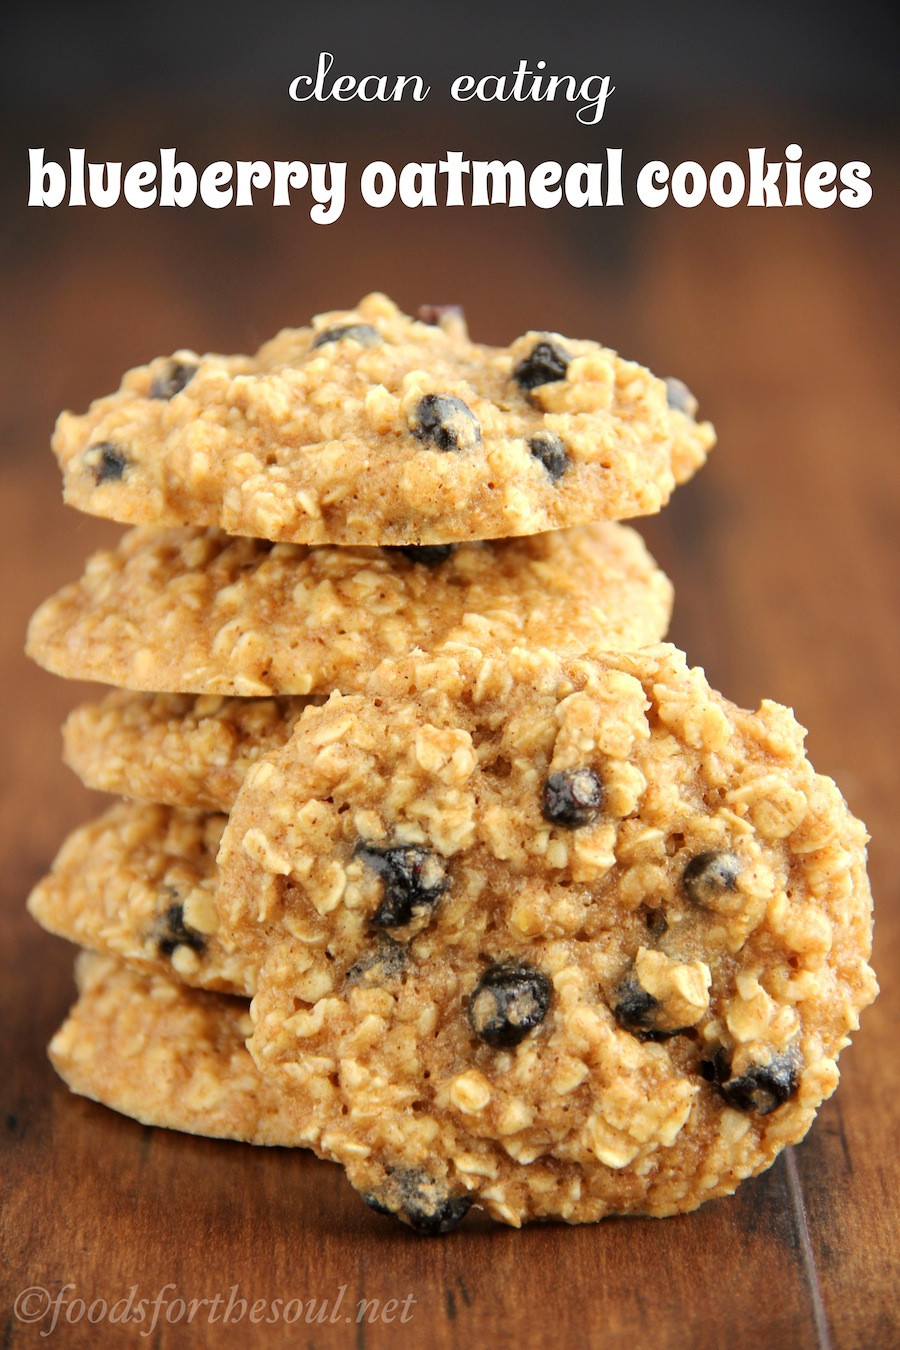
{"points": [[784, 555]]}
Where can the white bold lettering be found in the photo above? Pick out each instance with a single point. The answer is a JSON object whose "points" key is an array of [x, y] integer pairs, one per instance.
{"points": [[136, 191], [652, 183], [727, 183], [213, 180], [817, 184], [329, 187], [856, 191], [46, 180], [378, 183], [289, 173], [541, 184], [177, 180], [251, 173], [507, 182], [763, 179]]}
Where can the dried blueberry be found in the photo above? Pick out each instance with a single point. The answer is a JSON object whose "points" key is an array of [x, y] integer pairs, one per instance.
{"points": [[174, 932], [763, 1088], [635, 1010], [572, 797], [172, 378], [431, 555], [434, 315], [446, 422], [509, 1001], [420, 1201], [107, 462], [711, 877], [363, 333], [414, 880], [436, 1219], [643, 1014], [384, 962], [551, 452], [679, 397], [548, 362]]}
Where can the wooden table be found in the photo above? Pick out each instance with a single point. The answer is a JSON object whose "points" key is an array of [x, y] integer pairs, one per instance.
{"points": [[785, 562]]}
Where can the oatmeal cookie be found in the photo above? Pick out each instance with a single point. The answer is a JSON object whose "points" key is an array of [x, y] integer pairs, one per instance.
{"points": [[690, 442], [166, 1055], [179, 749], [373, 428], [556, 937], [196, 611], [139, 883]]}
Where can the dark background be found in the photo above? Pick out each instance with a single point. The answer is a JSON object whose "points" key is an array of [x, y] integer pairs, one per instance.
{"points": [[783, 552], [811, 49], [699, 80]]}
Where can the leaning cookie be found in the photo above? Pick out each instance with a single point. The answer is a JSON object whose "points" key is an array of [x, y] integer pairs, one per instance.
{"points": [[559, 938], [139, 883], [373, 428], [178, 749], [166, 1055], [194, 611]]}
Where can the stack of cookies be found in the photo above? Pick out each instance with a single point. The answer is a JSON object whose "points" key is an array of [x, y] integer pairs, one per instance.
{"points": [[531, 917]]}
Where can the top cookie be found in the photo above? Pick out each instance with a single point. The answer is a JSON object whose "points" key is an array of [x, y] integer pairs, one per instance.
{"points": [[374, 428]]}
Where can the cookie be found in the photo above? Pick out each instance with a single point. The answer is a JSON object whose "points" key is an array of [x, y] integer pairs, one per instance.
{"points": [[373, 428], [139, 883], [193, 611], [166, 1055], [557, 938], [179, 749], [691, 442]]}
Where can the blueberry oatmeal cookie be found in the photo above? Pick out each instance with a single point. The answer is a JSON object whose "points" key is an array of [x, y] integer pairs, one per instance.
{"points": [[196, 611], [554, 937], [166, 1055], [373, 428], [176, 749], [139, 882]]}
